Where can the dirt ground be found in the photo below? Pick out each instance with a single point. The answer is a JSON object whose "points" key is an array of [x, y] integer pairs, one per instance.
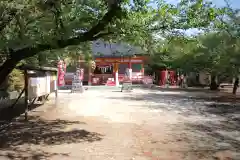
{"points": [[140, 125]]}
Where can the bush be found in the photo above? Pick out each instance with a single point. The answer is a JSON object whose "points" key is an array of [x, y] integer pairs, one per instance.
{"points": [[15, 81]]}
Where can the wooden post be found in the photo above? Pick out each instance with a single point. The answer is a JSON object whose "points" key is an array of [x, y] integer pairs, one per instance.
{"points": [[26, 94], [56, 86]]}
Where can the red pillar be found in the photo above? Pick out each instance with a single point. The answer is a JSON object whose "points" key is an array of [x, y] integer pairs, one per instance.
{"points": [[130, 63], [142, 69], [162, 77]]}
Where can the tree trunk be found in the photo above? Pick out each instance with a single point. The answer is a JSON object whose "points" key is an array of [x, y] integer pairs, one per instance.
{"points": [[235, 86], [213, 84], [7, 68]]}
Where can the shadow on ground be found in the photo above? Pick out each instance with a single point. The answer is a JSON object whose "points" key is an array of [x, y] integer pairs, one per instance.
{"points": [[42, 132], [29, 154], [9, 113], [218, 127], [221, 132], [46, 132], [221, 139], [189, 103], [186, 102], [185, 94]]}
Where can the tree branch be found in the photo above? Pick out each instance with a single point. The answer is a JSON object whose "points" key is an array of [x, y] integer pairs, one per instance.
{"points": [[92, 34], [100, 35]]}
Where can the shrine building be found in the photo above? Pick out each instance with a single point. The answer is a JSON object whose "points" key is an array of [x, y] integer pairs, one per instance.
{"points": [[112, 60]]}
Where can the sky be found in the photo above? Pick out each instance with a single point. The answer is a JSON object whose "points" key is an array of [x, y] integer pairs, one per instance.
{"points": [[233, 3], [219, 3]]}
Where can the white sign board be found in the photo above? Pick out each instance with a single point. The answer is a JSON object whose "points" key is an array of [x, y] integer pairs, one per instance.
{"points": [[34, 81]]}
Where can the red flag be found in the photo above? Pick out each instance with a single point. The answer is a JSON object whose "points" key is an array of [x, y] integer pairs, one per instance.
{"points": [[61, 73]]}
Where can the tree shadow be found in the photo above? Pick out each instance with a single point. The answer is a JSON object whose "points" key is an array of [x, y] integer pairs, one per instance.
{"points": [[199, 89], [18, 137], [8, 112], [206, 139], [215, 137], [227, 110], [39, 132], [185, 101], [207, 135], [17, 140], [44, 132], [228, 128], [26, 154], [167, 101]]}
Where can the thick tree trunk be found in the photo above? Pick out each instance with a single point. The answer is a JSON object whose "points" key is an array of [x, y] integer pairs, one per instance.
{"points": [[7, 68], [213, 84], [235, 86]]}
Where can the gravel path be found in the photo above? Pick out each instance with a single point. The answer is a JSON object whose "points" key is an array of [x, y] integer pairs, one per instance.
{"points": [[140, 125]]}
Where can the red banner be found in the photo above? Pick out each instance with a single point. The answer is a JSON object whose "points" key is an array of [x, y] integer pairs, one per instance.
{"points": [[61, 73], [167, 75], [81, 74]]}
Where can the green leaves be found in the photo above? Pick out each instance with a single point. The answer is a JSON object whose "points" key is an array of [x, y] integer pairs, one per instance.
{"points": [[39, 20], [138, 23], [216, 53], [45, 21]]}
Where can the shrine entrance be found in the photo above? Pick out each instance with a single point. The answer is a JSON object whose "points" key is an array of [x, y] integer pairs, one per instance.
{"points": [[111, 70], [102, 74], [114, 59]]}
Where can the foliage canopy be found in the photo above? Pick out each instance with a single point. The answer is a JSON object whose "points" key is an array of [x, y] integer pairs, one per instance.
{"points": [[31, 27]]}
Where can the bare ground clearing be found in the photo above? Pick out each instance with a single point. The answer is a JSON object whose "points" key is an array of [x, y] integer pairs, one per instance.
{"points": [[141, 125]]}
